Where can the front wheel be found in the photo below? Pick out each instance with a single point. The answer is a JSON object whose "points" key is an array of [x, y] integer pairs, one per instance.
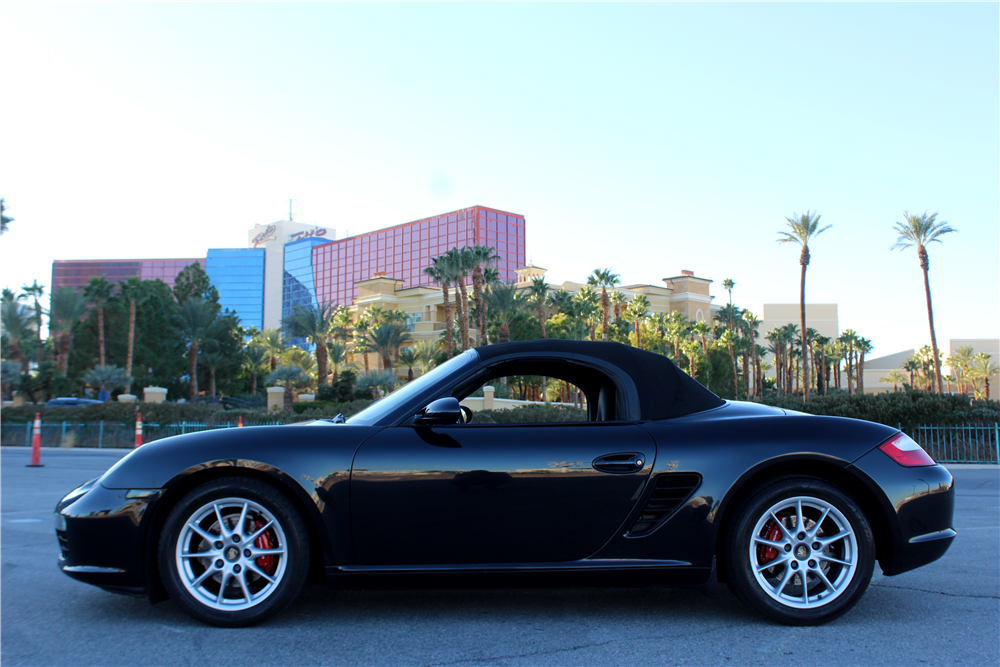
{"points": [[800, 551], [234, 552]]}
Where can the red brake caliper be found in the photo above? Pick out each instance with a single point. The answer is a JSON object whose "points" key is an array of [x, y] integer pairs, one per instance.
{"points": [[766, 554], [265, 563]]}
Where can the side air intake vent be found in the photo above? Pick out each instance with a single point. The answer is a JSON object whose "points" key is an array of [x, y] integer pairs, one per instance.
{"points": [[670, 492]]}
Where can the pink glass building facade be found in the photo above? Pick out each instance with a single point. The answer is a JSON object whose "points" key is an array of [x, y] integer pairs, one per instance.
{"points": [[78, 272], [404, 251]]}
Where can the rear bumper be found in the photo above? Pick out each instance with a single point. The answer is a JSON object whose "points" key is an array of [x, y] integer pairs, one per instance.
{"points": [[919, 504], [100, 537]]}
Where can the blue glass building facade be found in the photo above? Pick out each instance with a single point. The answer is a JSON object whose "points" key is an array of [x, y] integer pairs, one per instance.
{"points": [[238, 274], [298, 288]]}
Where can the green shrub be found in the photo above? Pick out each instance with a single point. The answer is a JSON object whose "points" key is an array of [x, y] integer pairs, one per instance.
{"points": [[904, 408], [531, 414], [330, 409]]}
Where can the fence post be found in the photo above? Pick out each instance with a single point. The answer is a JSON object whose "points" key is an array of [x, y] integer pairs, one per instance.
{"points": [[63, 433], [100, 436], [27, 434], [996, 439]]}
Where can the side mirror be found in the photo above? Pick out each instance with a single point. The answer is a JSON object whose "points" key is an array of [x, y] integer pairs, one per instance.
{"points": [[442, 411]]}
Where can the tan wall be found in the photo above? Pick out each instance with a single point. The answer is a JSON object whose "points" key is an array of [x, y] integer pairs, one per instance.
{"points": [[823, 317]]}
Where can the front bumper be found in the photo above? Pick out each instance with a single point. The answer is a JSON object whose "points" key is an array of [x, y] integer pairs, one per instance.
{"points": [[919, 504], [100, 533]]}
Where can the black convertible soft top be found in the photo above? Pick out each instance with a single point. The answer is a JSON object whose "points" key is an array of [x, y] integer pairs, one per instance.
{"points": [[664, 390]]}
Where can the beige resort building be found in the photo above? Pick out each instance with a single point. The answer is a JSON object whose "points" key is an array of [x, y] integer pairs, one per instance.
{"points": [[685, 293]]}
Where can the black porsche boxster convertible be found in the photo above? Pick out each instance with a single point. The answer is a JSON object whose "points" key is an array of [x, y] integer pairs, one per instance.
{"points": [[661, 482]]}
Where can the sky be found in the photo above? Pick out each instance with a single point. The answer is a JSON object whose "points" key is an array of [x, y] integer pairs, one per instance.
{"points": [[644, 138]]}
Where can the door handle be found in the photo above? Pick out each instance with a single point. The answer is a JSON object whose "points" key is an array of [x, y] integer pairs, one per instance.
{"points": [[620, 464]]}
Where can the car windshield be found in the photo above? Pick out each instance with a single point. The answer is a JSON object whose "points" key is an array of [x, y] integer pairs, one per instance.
{"points": [[385, 406]]}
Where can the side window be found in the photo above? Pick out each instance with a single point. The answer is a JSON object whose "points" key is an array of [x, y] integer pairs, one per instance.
{"points": [[527, 399]]}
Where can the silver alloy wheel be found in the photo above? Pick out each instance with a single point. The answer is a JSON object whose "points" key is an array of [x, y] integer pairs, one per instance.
{"points": [[231, 554], [803, 552]]}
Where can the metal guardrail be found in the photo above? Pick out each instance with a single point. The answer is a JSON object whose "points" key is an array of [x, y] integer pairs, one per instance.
{"points": [[959, 443], [109, 435]]}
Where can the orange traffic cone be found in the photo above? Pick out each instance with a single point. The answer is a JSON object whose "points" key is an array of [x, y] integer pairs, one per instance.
{"points": [[138, 430], [240, 423], [36, 443]]}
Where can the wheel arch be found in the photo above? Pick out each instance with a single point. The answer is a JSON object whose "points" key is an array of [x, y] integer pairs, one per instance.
{"points": [[825, 469], [182, 484]]}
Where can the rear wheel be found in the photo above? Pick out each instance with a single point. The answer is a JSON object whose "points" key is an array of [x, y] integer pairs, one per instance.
{"points": [[800, 551], [234, 552]]}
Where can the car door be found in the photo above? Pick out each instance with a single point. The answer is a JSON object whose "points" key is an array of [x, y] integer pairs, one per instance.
{"points": [[495, 493]]}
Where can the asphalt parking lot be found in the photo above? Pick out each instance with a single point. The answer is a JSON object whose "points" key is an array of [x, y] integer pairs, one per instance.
{"points": [[947, 613]]}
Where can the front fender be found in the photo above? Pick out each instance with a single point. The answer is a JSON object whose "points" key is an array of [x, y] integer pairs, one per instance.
{"points": [[312, 463]]}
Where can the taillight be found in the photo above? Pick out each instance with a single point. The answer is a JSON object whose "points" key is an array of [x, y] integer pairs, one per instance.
{"points": [[901, 449]]}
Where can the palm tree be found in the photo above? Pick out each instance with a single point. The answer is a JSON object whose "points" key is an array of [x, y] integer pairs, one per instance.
{"points": [[194, 319], [849, 339], [491, 277], [480, 255], [751, 324], [728, 338], [36, 291], [538, 294], [462, 263], [273, 343], [133, 293], [254, 355], [920, 231], [912, 367], [589, 302], [505, 303], [636, 312], [959, 362], [336, 351], [375, 383], [428, 353], [618, 301], [691, 350], [4, 218], [17, 329], [313, 324], [212, 361], [98, 291], [728, 284], [106, 377], [676, 330], [385, 339], [408, 357], [441, 271], [863, 346], [559, 300], [604, 279], [804, 228], [981, 368], [66, 307], [894, 377], [288, 377]]}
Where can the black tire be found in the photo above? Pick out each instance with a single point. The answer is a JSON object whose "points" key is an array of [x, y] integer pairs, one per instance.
{"points": [[776, 568], [246, 575]]}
